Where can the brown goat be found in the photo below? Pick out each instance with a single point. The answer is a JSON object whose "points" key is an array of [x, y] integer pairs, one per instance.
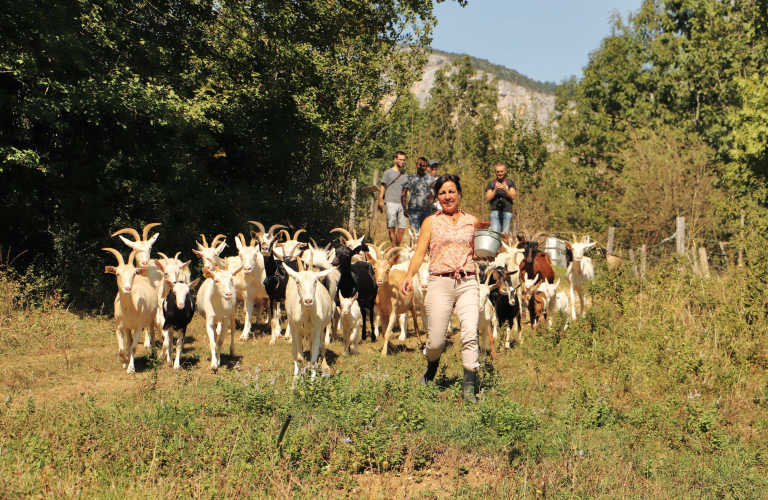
{"points": [[536, 262]]}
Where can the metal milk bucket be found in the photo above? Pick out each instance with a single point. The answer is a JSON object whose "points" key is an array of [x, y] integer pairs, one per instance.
{"points": [[487, 242]]}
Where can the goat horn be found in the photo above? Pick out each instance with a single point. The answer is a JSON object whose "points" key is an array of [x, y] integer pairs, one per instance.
{"points": [[205, 243], [342, 231], [273, 228], [327, 247], [297, 233], [575, 240], [176, 256], [147, 228], [117, 254], [382, 244], [258, 224], [377, 251], [166, 260], [300, 263], [130, 257], [216, 239], [287, 234], [131, 231], [311, 260], [242, 238], [314, 244], [487, 278], [390, 251], [354, 232]]}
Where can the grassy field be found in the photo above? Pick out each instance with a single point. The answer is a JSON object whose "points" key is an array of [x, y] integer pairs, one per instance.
{"points": [[659, 392]]}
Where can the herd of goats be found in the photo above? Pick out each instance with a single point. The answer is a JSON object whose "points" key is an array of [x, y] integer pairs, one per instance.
{"points": [[327, 292]]}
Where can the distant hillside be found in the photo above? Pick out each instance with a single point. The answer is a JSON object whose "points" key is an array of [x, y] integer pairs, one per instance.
{"points": [[503, 73], [516, 92]]}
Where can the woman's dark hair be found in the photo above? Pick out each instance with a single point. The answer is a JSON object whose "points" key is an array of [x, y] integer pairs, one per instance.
{"points": [[446, 178]]}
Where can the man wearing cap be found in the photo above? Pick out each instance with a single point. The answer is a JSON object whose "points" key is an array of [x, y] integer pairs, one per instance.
{"points": [[500, 192], [432, 168], [419, 185]]}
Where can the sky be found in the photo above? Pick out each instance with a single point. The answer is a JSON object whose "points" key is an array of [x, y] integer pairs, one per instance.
{"points": [[547, 40]]}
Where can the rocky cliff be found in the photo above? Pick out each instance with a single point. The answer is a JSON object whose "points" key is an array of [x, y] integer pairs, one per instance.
{"points": [[512, 95]]}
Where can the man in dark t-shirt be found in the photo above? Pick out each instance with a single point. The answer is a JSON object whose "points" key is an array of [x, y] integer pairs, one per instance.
{"points": [[501, 192]]}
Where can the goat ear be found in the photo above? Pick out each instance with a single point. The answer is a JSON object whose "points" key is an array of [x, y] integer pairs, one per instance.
{"points": [[238, 244], [207, 272], [510, 273], [159, 263], [185, 264], [110, 269], [568, 245], [141, 270], [354, 297], [198, 253], [221, 248], [194, 283], [168, 283]]}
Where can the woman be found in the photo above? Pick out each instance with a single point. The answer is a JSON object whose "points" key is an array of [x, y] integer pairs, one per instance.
{"points": [[449, 236]]}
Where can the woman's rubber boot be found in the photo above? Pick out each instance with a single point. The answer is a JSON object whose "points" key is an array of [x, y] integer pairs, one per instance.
{"points": [[431, 371], [468, 386]]}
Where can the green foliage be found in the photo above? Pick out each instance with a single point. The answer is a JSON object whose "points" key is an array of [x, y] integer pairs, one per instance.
{"points": [[198, 115]]}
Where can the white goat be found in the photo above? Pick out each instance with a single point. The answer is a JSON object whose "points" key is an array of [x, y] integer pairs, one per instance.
{"points": [[210, 254], [556, 301], [579, 272], [143, 247], [487, 315], [290, 245], [350, 323], [135, 305], [216, 302], [249, 284], [310, 310]]}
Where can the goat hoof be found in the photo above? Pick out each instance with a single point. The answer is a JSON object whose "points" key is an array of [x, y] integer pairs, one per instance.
{"points": [[272, 342], [131, 369], [244, 337], [147, 345], [506, 345], [401, 337], [177, 367]]}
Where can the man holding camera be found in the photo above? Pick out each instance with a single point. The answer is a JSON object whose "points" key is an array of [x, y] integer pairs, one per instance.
{"points": [[501, 192]]}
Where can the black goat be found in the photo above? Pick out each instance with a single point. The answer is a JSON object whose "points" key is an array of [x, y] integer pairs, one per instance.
{"points": [[178, 310], [507, 305], [275, 283], [357, 278]]}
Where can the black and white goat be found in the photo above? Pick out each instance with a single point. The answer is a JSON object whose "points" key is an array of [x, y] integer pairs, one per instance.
{"points": [[506, 304], [357, 278], [178, 309]]}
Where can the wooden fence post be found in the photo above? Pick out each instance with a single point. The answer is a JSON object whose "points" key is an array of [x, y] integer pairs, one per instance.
{"points": [[643, 260], [352, 200], [741, 240], [611, 234], [680, 236], [703, 262], [375, 196], [634, 265]]}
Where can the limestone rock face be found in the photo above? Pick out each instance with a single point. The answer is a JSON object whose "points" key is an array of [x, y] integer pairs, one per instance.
{"points": [[511, 95]]}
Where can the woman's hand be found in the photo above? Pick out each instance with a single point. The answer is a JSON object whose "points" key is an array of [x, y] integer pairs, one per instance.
{"points": [[406, 286]]}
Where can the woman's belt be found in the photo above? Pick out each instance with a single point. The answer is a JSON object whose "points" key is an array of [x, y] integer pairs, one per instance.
{"points": [[454, 274]]}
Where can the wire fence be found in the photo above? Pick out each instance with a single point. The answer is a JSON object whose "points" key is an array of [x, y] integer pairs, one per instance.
{"points": [[706, 256]]}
